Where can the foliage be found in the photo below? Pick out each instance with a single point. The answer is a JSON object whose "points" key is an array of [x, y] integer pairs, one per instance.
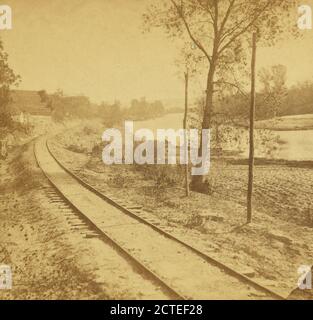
{"points": [[274, 91], [7, 78], [77, 148], [118, 181], [275, 99], [220, 31], [111, 113], [44, 97], [299, 99], [67, 107], [163, 175], [193, 220], [142, 109]]}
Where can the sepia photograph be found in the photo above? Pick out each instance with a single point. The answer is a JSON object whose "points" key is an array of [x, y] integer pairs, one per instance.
{"points": [[156, 150]]}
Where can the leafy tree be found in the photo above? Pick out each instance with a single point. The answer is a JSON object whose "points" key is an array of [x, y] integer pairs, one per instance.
{"points": [[44, 97], [299, 99], [218, 29], [274, 91], [7, 79], [112, 114], [69, 107], [142, 109]]}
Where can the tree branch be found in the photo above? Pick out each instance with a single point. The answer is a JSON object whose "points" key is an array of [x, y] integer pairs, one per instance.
{"points": [[196, 42], [233, 85], [244, 29], [230, 7], [206, 8], [215, 3]]}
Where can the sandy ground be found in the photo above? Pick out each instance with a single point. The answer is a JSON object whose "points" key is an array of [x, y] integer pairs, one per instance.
{"points": [[270, 250], [49, 257]]}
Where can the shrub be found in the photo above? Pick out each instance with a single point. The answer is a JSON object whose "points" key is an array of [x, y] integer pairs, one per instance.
{"points": [[77, 149]]}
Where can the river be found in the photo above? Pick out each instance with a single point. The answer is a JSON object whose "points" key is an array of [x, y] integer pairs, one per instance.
{"points": [[293, 145]]}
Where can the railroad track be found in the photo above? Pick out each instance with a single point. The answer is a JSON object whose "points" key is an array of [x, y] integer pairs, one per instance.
{"points": [[183, 271]]}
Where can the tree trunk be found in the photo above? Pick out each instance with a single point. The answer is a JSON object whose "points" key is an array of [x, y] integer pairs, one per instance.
{"points": [[206, 124], [198, 183], [252, 115], [186, 136]]}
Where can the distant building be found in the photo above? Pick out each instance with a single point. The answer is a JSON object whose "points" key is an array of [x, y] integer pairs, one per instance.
{"points": [[27, 102]]}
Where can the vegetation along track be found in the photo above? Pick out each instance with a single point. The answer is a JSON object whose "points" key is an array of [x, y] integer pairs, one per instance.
{"points": [[183, 271]]}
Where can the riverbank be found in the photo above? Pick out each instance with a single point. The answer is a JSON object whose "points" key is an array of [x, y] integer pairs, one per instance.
{"points": [[288, 123]]}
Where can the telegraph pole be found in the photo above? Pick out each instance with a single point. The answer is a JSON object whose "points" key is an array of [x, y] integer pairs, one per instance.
{"points": [[185, 130], [251, 134]]}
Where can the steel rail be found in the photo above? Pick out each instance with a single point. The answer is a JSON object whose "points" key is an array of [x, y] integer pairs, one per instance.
{"points": [[174, 294], [228, 270]]}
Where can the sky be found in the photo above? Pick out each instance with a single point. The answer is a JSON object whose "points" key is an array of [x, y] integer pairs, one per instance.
{"points": [[97, 48]]}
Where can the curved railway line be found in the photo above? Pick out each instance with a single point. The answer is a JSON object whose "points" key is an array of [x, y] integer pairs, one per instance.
{"points": [[182, 271]]}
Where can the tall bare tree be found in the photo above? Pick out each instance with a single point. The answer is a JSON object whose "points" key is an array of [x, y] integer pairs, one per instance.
{"points": [[219, 30]]}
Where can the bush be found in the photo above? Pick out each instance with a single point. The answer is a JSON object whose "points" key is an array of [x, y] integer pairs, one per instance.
{"points": [[118, 181], [163, 175], [89, 131], [77, 149], [193, 220]]}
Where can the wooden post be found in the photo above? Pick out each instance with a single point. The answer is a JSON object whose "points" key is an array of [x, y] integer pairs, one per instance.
{"points": [[251, 141], [186, 136]]}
